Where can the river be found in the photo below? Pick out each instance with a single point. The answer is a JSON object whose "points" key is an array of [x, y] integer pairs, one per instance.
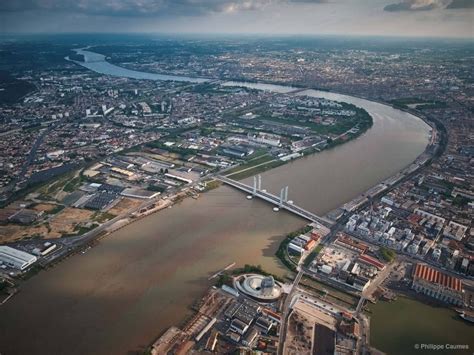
{"points": [[140, 280], [406, 325], [97, 62]]}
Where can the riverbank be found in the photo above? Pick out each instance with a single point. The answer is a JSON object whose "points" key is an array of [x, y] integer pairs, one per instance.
{"points": [[168, 256], [248, 171]]}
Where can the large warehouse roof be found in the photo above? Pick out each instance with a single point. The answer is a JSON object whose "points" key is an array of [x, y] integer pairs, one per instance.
{"points": [[15, 257], [429, 274]]}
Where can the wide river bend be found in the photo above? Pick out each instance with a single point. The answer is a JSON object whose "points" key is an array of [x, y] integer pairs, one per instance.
{"points": [[142, 279]]}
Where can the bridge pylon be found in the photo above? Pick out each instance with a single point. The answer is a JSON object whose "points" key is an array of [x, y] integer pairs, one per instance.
{"points": [[282, 197]]}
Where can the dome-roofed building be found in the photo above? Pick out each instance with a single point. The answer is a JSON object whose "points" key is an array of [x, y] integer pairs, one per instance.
{"points": [[262, 288], [267, 285]]}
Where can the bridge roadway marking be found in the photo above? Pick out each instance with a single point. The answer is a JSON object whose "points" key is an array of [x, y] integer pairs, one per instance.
{"points": [[275, 200]]}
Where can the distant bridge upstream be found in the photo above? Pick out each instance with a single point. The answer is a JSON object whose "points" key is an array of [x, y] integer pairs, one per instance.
{"points": [[280, 202]]}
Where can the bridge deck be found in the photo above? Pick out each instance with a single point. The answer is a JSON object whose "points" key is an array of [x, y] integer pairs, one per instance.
{"points": [[264, 195]]}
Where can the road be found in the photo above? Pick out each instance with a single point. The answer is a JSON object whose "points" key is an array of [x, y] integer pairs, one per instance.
{"points": [[363, 345], [286, 311]]}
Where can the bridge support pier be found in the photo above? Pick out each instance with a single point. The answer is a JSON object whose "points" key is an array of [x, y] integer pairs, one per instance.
{"points": [[279, 201]]}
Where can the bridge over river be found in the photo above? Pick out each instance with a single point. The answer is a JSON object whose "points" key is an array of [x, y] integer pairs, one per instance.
{"points": [[280, 202]]}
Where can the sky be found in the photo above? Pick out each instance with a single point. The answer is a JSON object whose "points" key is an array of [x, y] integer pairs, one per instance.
{"points": [[419, 18]]}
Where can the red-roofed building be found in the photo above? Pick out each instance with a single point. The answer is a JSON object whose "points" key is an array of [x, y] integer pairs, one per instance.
{"points": [[315, 236], [438, 285], [371, 261], [347, 242]]}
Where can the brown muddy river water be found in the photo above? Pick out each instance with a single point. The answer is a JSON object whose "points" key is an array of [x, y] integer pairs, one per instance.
{"points": [[142, 279]]}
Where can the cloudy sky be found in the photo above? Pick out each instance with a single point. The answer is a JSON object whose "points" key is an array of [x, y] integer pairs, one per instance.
{"points": [[435, 18]]}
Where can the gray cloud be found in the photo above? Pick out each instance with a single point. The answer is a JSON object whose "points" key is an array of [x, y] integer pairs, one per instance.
{"points": [[144, 7], [135, 7], [426, 5], [461, 4], [358, 17]]}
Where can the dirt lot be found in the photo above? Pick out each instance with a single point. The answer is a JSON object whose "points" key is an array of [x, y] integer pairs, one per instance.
{"points": [[14, 232], [301, 327], [124, 205], [44, 207], [65, 221], [299, 335]]}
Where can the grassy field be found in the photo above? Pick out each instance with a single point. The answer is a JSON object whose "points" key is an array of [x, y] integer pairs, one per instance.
{"points": [[418, 103], [257, 160], [250, 171], [63, 184], [213, 184]]}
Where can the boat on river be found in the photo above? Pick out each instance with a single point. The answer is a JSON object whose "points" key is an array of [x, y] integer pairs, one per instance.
{"points": [[466, 315]]}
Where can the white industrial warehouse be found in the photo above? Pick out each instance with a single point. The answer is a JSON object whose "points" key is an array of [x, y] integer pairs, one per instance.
{"points": [[16, 258]]}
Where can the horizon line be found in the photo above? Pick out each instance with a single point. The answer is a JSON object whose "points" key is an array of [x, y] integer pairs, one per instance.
{"points": [[242, 34]]}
